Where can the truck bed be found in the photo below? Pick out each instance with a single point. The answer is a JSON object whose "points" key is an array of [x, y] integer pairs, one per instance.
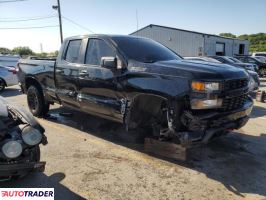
{"points": [[41, 70], [37, 62]]}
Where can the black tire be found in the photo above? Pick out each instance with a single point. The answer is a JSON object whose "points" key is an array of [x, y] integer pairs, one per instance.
{"points": [[36, 102], [262, 72], [2, 85]]}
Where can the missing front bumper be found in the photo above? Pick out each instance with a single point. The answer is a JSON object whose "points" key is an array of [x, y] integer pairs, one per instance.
{"points": [[202, 128]]}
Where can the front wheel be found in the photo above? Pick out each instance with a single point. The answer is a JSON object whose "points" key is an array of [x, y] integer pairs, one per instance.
{"points": [[36, 102], [2, 85], [262, 72]]}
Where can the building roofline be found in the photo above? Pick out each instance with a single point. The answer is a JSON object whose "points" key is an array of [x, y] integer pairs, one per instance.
{"points": [[167, 27]]}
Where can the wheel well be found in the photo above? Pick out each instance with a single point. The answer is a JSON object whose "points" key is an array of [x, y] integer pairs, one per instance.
{"points": [[148, 109], [4, 81], [31, 81], [144, 108]]}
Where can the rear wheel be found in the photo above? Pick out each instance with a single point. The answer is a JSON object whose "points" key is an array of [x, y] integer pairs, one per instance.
{"points": [[36, 102], [2, 85]]}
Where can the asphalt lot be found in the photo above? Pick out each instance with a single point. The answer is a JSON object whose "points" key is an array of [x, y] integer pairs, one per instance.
{"points": [[91, 158]]}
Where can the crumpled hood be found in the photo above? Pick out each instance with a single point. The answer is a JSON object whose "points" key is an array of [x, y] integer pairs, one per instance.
{"points": [[192, 69], [24, 115]]}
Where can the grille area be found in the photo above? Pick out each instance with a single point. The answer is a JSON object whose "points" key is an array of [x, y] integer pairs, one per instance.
{"points": [[234, 102], [235, 84]]}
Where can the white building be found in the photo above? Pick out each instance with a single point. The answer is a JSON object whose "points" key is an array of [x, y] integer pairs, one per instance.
{"points": [[191, 43]]}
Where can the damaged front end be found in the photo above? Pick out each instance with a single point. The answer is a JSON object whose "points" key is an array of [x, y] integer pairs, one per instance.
{"points": [[213, 109], [20, 136]]}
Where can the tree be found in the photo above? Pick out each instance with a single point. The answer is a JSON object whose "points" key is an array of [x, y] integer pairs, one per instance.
{"points": [[257, 41], [22, 51], [229, 35], [4, 50]]}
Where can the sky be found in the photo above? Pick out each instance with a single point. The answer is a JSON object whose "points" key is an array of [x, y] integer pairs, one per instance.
{"points": [[119, 17]]}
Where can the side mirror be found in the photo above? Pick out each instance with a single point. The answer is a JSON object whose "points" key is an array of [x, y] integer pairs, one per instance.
{"points": [[109, 62]]}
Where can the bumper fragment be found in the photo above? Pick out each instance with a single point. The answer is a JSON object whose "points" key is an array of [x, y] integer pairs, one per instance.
{"points": [[8, 170]]}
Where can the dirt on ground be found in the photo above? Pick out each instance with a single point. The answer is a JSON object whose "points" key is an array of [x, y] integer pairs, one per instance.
{"points": [[91, 158]]}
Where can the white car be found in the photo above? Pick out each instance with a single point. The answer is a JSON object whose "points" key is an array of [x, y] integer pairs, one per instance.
{"points": [[8, 77], [9, 60], [259, 54]]}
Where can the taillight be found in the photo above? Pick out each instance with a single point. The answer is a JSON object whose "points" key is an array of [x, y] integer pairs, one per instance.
{"points": [[13, 70]]}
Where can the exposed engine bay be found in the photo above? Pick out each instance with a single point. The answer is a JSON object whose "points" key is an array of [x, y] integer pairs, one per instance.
{"points": [[20, 136]]}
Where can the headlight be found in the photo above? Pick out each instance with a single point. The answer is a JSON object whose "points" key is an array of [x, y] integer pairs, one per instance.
{"points": [[205, 86], [12, 149], [251, 83], [206, 104], [31, 136]]}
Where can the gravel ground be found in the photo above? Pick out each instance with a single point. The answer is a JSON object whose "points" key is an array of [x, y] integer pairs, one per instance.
{"points": [[91, 158]]}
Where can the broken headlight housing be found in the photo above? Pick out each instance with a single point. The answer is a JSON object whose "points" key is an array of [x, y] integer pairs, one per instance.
{"points": [[206, 98]]}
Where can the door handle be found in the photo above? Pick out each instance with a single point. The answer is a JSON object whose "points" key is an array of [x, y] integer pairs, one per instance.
{"points": [[83, 73], [59, 70]]}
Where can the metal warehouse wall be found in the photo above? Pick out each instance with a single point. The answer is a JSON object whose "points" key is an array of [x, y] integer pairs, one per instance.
{"points": [[231, 45], [187, 43], [182, 42], [236, 46], [210, 45]]}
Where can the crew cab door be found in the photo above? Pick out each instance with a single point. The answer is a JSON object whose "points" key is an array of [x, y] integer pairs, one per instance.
{"points": [[98, 93], [66, 73]]}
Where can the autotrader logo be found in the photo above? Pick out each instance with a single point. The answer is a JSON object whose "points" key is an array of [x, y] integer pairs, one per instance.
{"points": [[27, 193]]}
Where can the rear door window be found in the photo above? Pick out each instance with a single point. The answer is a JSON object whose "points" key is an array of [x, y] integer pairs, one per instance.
{"points": [[97, 49], [73, 49]]}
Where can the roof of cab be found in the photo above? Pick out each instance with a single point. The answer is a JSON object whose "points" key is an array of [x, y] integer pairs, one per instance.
{"points": [[101, 36]]}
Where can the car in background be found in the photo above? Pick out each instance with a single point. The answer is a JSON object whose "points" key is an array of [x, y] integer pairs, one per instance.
{"points": [[254, 81], [235, 60], [259, 54], [8, 77], [228, 60], [261, 58], [9, 60], [253, 60], [202, 58], [254, 78]]}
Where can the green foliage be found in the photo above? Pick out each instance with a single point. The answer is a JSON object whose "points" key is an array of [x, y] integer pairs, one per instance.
{"points": [[257, 41], [26, 51], [22, 51], [230, 35], [4, 50], [47, 55]]}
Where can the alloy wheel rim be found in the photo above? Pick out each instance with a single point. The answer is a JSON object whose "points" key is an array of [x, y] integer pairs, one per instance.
{"points": [[33, 101]]}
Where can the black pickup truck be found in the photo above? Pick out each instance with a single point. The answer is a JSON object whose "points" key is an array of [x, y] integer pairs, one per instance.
{"points": [[141, 84]]}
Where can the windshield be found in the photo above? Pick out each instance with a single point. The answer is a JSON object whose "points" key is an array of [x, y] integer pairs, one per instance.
{"points": [[262, 59], [144, 50], [234, 60]]}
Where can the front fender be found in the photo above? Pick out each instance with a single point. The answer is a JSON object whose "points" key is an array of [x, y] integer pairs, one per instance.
{"points": [[165, 86]]}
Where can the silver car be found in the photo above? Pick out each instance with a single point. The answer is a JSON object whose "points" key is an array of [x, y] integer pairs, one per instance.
{"points": [[8, 77]]}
